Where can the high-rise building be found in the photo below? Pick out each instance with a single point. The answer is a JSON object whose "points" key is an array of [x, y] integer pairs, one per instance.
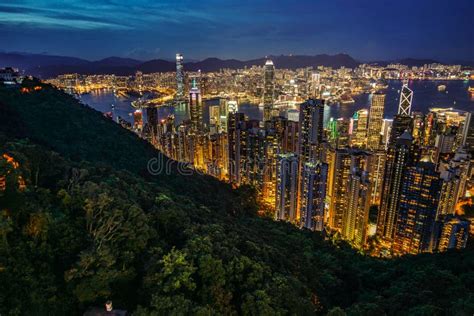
{"points": [[374, 127], [386, 131], [468, 133], [416, 215], [152, 123], [214, 119], [138, 120], [406, 97], [399, 157], [401, 123], [313, 194], [451, 232], [337, 192], [449, 192], [359, 134], [268, 90], [311, 130], [195, 107], [237, 143], [418, 127], [376, 175], [356, 214], [286, 187], [315, 86], [179, 77]]}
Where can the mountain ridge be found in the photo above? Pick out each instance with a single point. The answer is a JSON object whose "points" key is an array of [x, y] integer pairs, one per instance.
{"points": [[45, 66]]}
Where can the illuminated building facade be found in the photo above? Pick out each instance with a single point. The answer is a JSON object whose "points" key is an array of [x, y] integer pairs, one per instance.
{"points": [[179, 77], [359, 133], [268, 90], [195, 107], [356, 214], [374, 126], [313, 194], [406, 98], [451, 232], [286, 187], [399, 157], [340, 171], [418, 205]]}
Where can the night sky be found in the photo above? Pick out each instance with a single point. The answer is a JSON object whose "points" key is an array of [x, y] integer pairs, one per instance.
{"points": [[145, 29]]}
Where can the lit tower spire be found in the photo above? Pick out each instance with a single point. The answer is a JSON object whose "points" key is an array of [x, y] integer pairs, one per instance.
{"points": [[179, 77], [268, 90], [406, 97]]}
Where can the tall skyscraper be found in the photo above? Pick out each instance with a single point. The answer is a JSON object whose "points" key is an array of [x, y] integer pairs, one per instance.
{"points": [[152, 126], [286, 187], [179, 77], [339, 177], [399, 157], [195, 107], [268, 90], [313, 194], [401, 123], [416, 215], [406, 98], [359, 133], [468, 133], [356, 214], [451, 232], [315, 86], [311, 130], [376, 175], [237, 143], [214, 118], [374, 127]]}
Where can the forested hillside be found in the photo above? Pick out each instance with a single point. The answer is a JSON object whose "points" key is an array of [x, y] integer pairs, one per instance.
{"points": [[82, 221]]}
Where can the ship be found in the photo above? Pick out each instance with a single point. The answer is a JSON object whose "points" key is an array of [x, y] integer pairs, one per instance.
{"points": [[441, 88]]}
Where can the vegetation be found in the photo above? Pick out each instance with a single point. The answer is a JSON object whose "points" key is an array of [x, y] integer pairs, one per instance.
{"points": [[92, 224]]}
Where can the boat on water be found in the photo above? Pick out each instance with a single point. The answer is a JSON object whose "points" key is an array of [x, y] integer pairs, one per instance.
{"points": [[442, 88]]}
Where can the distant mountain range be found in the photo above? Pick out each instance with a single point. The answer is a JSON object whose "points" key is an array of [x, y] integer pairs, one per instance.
{"points": [[46, 66]]}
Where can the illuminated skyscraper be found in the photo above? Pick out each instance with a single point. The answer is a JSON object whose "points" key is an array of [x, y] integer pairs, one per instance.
{"points": [[286, 187], [195, 107], [399, 157], [416, 215], [468, 133], [152, 123], [451, 232], [340, 170], [179, 77], [311, 130], [401, 123], [268, 90], [376, 175], [359, 133], [138, 120], [356, 214], [315, 86], [406, 97], [237, 143], [214, 118], [313, 194], [374, 127]]}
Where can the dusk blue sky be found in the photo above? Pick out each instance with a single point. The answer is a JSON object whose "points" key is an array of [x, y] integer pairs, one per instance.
{"points": [[146, 29]]}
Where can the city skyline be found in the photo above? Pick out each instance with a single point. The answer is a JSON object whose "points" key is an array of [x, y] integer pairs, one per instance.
{"points": [[143, 30]]}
